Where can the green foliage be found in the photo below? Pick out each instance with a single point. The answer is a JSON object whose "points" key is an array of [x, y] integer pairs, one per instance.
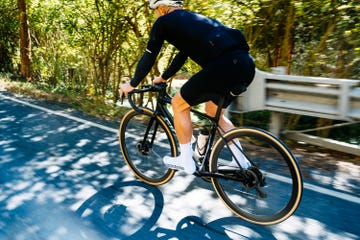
{"points": [[8, 35], [327, 37], [92, 46]]}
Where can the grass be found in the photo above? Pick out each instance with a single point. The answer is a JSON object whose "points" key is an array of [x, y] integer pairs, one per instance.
{"points": [[95, 106]]}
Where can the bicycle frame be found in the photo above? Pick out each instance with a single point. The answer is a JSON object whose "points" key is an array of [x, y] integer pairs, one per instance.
{"points": [[161, 110]]}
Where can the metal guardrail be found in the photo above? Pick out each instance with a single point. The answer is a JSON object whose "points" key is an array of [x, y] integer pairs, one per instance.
{"points": [[312, 96], [331, 98]]}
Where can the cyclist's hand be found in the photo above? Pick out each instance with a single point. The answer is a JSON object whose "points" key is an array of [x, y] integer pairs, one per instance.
{"points": [[124, 89], [158, 80]]}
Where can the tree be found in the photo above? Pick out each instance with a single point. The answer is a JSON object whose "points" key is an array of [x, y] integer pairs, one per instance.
{"points": [[327, 38], [25, 41], [91, 46]]}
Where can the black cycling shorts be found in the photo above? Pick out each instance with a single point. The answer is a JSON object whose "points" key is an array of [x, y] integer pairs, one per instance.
{"points": [[228, 75]]}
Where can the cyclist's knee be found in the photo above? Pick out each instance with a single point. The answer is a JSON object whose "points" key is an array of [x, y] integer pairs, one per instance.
{"points": [[179, 104], [210, 108]]}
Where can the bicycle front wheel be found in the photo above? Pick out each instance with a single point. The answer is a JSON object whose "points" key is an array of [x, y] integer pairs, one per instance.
{"points": [[144, 140], [277, 191]]}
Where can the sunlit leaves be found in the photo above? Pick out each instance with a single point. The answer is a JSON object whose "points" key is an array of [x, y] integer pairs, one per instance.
{"points": [[98, 42]]}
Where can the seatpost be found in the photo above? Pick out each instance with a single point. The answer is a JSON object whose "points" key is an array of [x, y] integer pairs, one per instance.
{"points": [[218, 111]]}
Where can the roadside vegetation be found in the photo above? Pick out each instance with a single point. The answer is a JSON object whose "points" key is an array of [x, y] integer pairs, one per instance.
{"points": [[80, 51], [89, 105]]}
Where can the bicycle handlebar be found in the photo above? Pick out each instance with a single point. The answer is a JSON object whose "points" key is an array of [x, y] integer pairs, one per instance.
{"points": [[145, 88], [149, 88]]}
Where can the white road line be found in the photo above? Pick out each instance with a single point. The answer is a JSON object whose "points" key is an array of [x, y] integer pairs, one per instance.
{"points": [[308, 186], [61, 114], [315, 188], [332, 193]]}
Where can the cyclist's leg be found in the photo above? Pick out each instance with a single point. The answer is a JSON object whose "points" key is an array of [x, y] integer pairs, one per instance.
{"points": [[191, 93], [227, 125], [182, 119], [183, 129], [224, 122], [237, 72], [205, 87]]}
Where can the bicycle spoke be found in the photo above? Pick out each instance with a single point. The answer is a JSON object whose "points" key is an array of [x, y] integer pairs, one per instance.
{"points": [[266, 193], [144, 142], [242, 190]]}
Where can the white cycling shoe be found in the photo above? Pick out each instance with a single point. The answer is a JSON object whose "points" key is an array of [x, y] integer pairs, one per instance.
{"points": [[187, 165]]}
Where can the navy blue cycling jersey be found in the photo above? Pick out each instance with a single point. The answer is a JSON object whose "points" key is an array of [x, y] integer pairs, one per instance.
{"points": [[194, 35]]}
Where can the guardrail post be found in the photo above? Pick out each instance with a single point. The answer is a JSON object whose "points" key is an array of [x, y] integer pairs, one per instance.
{"points": [[344, 100], [277, 118], [276, 123]]}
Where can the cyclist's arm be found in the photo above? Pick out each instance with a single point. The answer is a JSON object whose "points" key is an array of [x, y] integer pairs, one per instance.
{"points": [[175, 65], [148, 59], [143, 68]]}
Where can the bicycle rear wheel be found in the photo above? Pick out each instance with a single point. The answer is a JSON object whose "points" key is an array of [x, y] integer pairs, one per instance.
{"points": [[277, 191], [144, 140]]}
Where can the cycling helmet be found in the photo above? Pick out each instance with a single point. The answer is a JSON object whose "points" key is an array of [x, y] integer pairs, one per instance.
{"points": [[153, 4]]}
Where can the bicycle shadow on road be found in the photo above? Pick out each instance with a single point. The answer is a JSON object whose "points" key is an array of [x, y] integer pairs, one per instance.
{"points": [[131, 210], [124, 209]]}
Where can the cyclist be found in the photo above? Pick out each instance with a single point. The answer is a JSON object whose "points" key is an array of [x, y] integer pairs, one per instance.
{"points": [[227, 69]]}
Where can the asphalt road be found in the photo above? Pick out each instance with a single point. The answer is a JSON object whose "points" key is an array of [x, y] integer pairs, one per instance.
{"points": [[62, 177]]}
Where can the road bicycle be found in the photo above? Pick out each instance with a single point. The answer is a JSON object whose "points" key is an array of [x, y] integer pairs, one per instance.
{"points": [[266, 193]]}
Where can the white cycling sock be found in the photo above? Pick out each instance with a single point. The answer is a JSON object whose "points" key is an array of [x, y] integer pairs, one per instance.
{"points": [[184, 161], [243, 161]]}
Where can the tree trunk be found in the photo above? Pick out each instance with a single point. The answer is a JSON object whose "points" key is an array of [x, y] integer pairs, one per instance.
{"points": [[288, 43], [25, 41]]}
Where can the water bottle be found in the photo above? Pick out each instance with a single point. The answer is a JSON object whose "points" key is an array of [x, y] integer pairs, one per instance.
{"points": [[201, 144]]}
